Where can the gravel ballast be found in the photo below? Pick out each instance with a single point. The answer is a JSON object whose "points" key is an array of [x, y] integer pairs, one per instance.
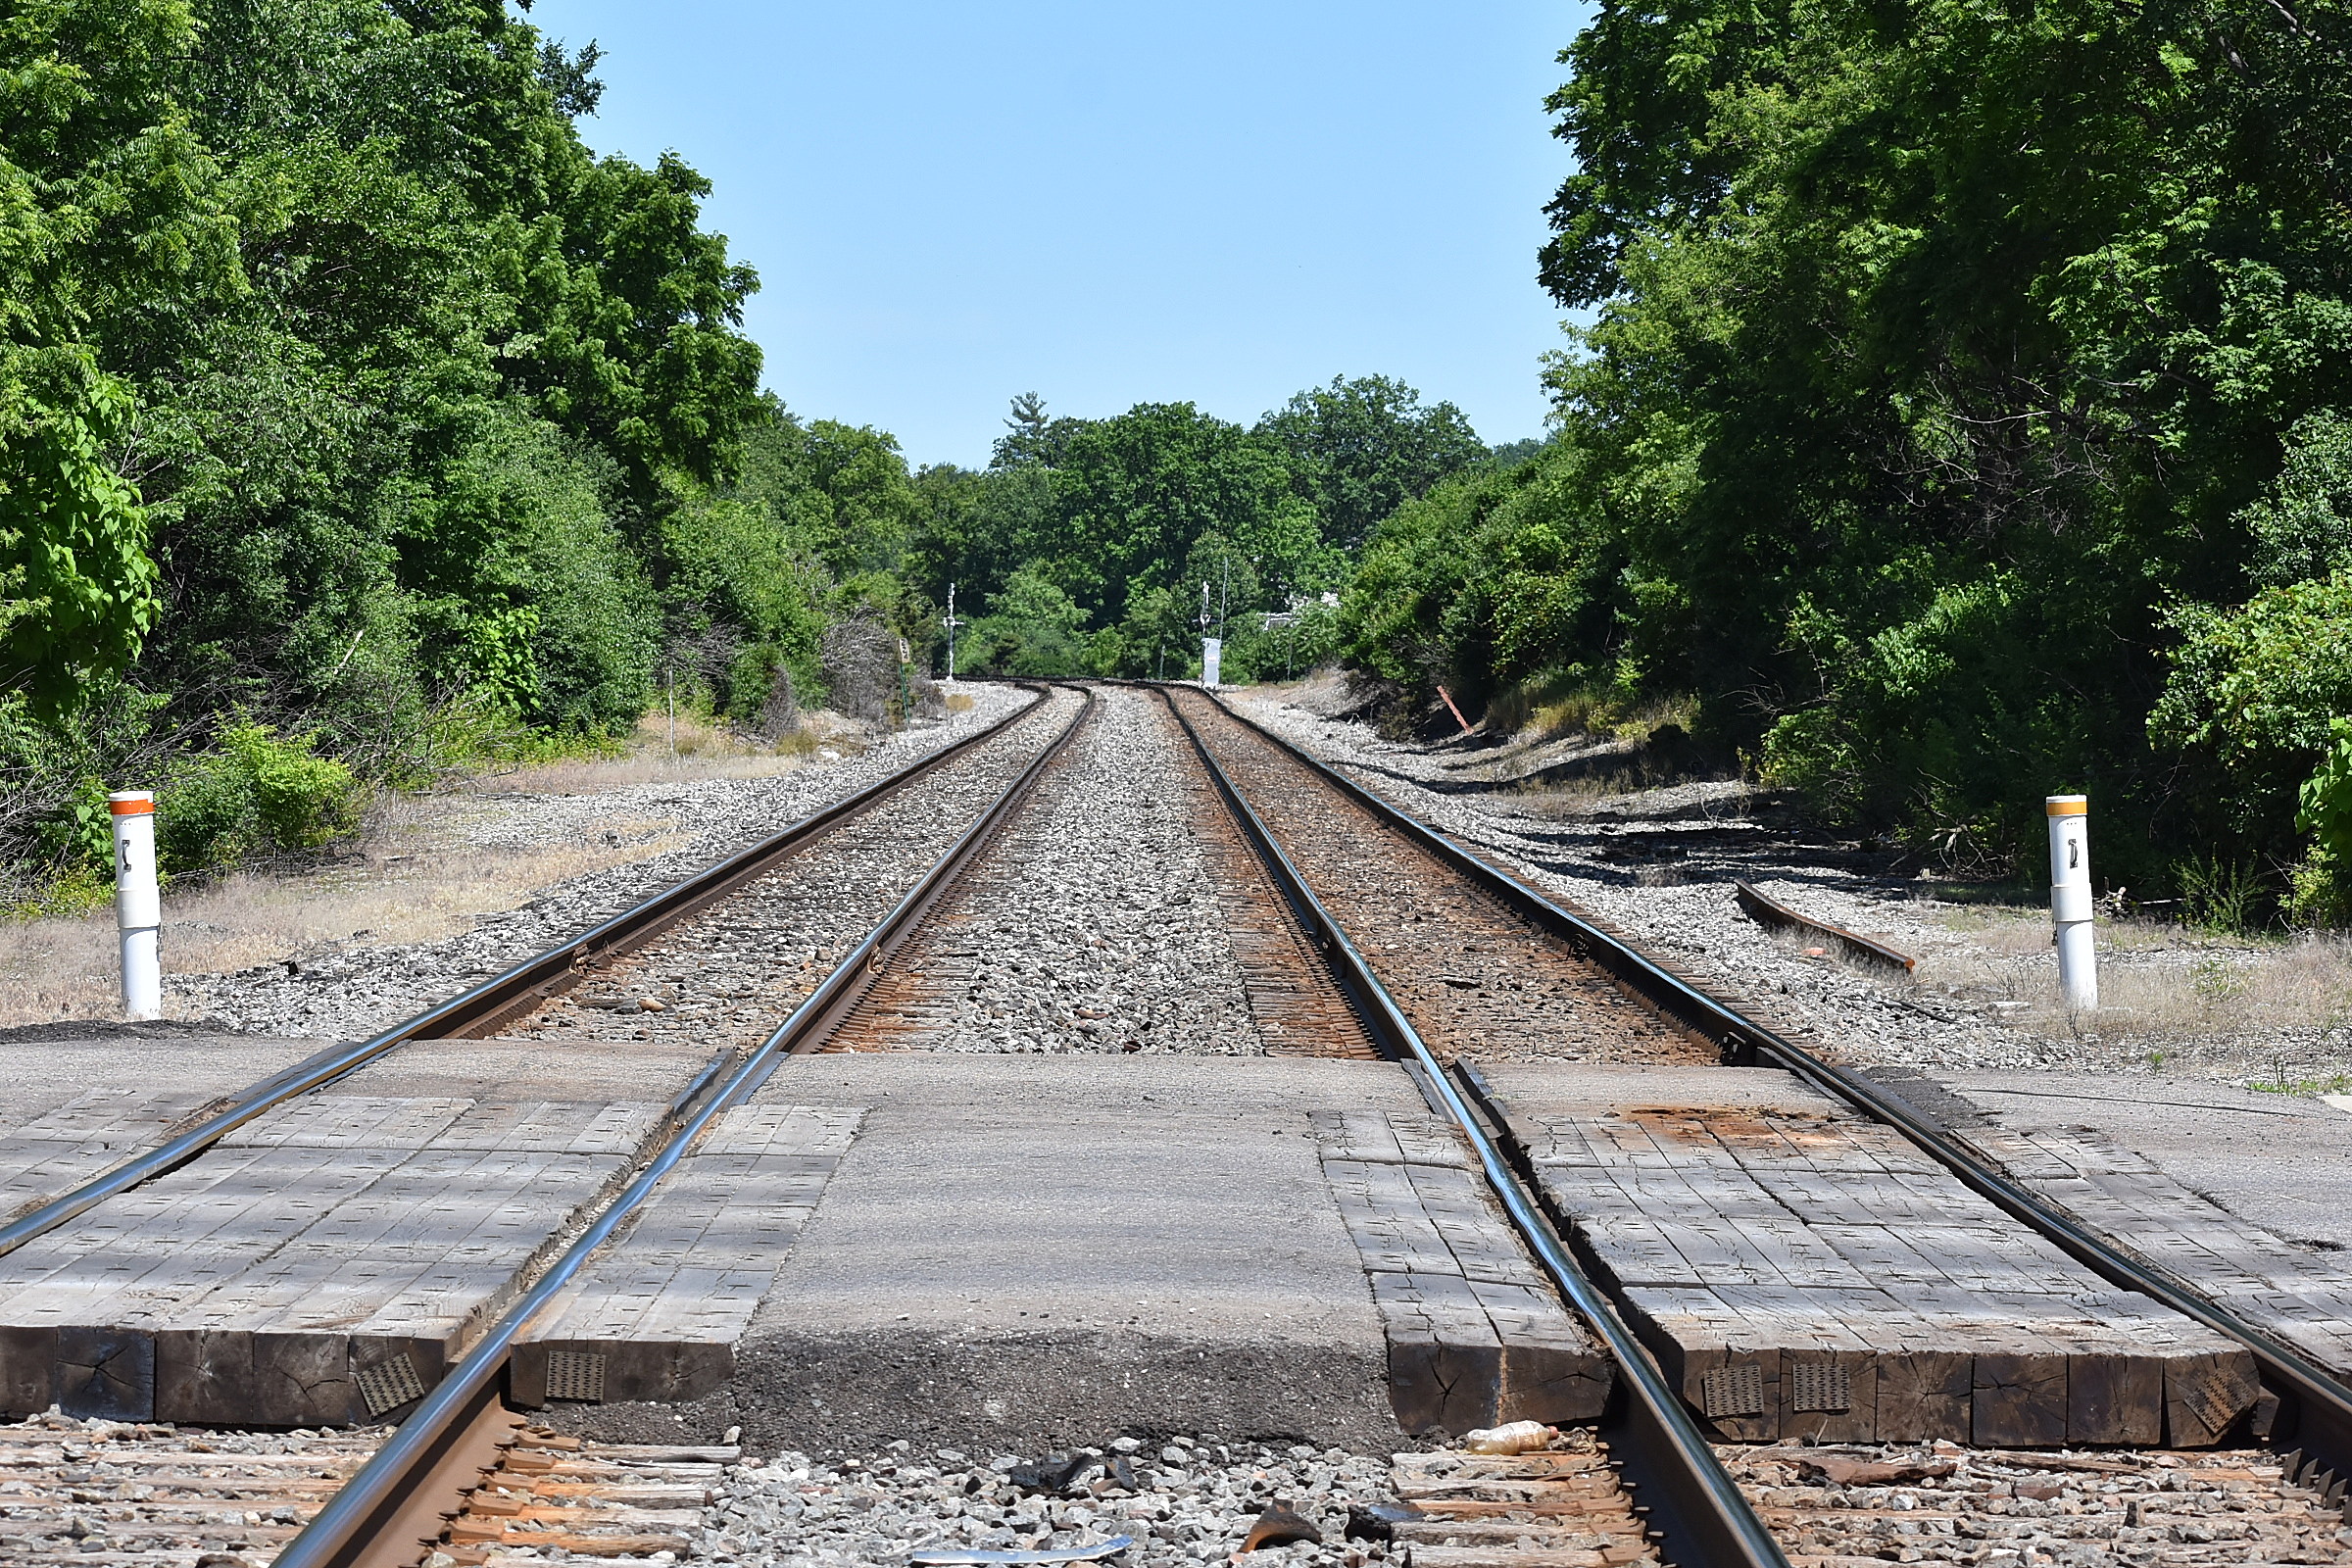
{"points": [[2104, 1509], [360, 990], [1658, 864], [1184, 1499], [1091, 924]]}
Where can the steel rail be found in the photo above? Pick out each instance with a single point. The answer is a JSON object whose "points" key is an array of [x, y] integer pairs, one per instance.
{"points": [[1691, 1502], [2314, 1404], [376, 1494], [532, 980], [1765, 910]]}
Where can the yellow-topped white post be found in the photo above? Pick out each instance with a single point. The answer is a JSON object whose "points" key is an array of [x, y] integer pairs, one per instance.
{"points": [[138, 903], [2069, 897]]}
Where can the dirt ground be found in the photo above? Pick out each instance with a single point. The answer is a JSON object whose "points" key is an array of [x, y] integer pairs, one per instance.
{"points": [[424, 867]]}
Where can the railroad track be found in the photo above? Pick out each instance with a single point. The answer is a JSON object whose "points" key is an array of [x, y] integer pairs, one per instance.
{"points": [[543, 983], [2301, 1406], [959, 794], [1355, 931]]}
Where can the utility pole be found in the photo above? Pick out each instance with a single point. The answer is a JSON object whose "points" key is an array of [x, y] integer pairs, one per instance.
{"points": [[952, 623]]}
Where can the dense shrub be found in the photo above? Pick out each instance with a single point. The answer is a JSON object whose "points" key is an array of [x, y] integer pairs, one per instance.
{"points": [[1032, 628], [2256, 689], [2322, 886], [256, 796], [1492, 577]]}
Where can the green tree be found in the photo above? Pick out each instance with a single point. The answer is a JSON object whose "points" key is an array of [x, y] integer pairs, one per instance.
{"points": [[109, 203], [337, 378], [1032, 628], [1361, 448], [1499, 574], [1935, 350]]}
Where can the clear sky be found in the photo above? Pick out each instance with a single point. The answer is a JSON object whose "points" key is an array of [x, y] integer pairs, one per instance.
{"points": [[1105, 202]]}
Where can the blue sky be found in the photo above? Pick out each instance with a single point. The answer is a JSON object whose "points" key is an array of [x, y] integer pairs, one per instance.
{"points": [[1106, 204]]}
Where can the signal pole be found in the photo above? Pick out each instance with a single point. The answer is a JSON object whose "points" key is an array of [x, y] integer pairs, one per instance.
{"points": [[950, 622]]}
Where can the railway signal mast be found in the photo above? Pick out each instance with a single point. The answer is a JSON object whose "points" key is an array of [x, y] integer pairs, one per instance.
{"points": [[950, 622], [1213, 649]]}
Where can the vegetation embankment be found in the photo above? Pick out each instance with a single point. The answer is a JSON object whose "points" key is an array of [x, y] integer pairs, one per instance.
{"points": [[1962, 413]]}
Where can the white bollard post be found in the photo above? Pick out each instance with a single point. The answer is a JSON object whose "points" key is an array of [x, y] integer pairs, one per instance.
{"points": [[138, 905], [2069, 897], [1212, 656]]}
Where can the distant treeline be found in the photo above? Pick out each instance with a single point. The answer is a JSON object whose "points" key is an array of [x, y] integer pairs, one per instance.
{"points": [[357, 422], [1112, 546], [1965, 415]]}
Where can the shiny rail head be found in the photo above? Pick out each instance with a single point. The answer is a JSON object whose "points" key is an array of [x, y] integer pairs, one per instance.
{"points": [[1699, 1512], [402, 1465]]}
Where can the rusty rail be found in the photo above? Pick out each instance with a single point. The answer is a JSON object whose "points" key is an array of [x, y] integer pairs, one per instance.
{"points": [[1765, 911]]}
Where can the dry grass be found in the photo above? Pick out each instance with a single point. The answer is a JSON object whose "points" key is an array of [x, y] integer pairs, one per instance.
{"points": [[419, 880], [2160, 985], [417, 875], [1545, 709], [703, 750]]}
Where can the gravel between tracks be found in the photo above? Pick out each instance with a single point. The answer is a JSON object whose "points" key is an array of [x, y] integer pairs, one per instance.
{"points": [[360, 990], [733, 972], [1478, 981], [1686, 916], [100, 1494], [1192, 1502], [2008, 1509], [1090, 926]]}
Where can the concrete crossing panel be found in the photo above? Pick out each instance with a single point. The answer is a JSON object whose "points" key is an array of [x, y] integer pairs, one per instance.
{"points": [[333, 1254], [1803, 1272]]}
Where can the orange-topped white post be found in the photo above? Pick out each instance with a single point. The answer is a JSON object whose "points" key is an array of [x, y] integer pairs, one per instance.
{"points": [[2069, 897], [138, 903]]}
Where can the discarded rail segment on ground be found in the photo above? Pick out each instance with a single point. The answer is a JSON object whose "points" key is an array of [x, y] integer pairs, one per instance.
{"points": [[1122, 1069]]}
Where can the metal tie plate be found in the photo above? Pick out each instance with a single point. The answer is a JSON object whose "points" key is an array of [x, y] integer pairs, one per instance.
{"points": [[578, 1375], [1732, 1390]]}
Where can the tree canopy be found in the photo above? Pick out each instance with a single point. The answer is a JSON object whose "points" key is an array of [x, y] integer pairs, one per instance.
{"points": [[1127, 517], [1942, 362]]}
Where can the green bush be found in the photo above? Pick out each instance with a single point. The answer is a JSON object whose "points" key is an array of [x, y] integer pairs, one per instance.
{"points": [[529, 592], [80, 836], [257, 796], [2254, 690], [1489, 579], [2221, 895], [1031, 628], [2326, 798], [2321, 888]]}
